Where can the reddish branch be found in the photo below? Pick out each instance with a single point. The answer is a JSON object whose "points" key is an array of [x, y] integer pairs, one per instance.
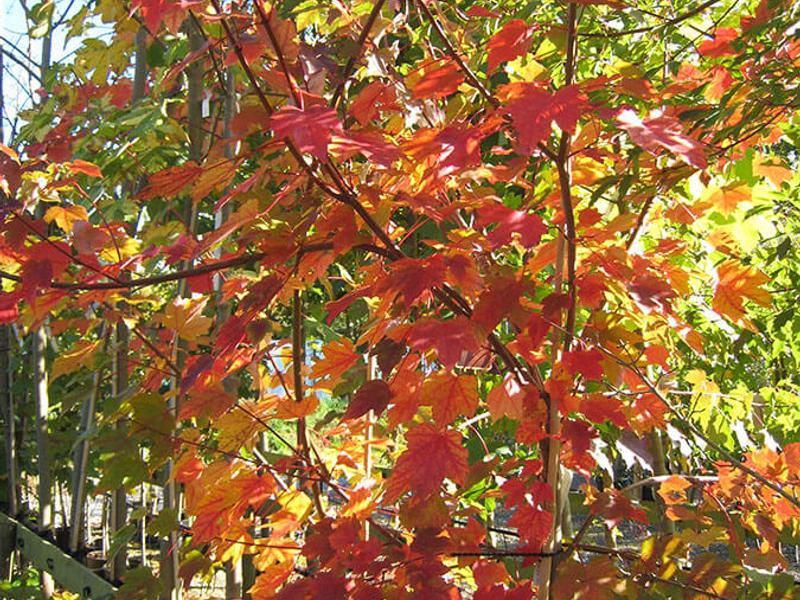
{"points": [[362, 39]]}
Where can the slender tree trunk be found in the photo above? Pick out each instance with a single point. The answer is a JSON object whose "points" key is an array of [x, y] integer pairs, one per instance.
{"points": [[41, 395], [170, 559], [45, 489], [9, 417], [119, 508], [234, 578], [80, 463], [6, 398]]}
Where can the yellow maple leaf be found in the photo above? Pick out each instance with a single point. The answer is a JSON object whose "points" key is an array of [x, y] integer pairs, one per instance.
{"points": [[65, 216], [185, 317], [81, 355]]}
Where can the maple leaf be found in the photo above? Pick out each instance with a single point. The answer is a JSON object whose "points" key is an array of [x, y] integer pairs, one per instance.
{"points": [[87, 238], [661, 131], [372, 395], [736, 283], [432, 455], [36, 274], [720, 45], [214, 177], [527, 226], [450, 396], [513, 40], [614, 507], [81, 355], [412, 278], [451, 338], [154, 12], [184, 317], [10, 171], [310, 128], [673, 490], [721, 81], [506, 400], [727, 198], [439, 79], [171, 181], [459, 147], [584, 362], [66, 216], [371, 100], [85, 167], [371, 144], [533, 110], [338, 356]]}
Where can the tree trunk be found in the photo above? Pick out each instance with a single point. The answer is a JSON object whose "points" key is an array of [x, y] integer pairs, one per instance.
{"points": [[170, 555], [45, 489], [9, 417]]}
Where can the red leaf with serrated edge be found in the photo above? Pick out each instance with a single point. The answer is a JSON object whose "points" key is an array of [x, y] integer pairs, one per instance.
{"points": [[413, 278], [533, 110], [375, 97], [171, 181], [599, 408], [439, 79], [720, 45], [369, 143], [506, 400], [451, 338], [513, 40], [432, 455], [336, 307], [658, 132], [10, 171], [576, 437], [154, 12], [584, 362], [373, 395], [528, 227], [87, 238], [450, 396], [310, 129], [614, 507], [36, 275]]}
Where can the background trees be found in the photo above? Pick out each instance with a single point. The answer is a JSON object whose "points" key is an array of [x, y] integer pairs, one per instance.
{"points": [[361, 285]]}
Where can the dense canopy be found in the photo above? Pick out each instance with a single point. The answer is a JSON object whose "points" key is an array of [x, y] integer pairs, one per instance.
{"points": [[362, 289]]}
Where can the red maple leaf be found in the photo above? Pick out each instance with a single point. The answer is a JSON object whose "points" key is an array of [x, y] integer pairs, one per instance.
{"points": [[310, 128], [439, 79], [432, 455], [533, 110], [450, 338], [660, 131], [584, 362], [513, 40], [529, 227], [373, 395], [721, 44]]}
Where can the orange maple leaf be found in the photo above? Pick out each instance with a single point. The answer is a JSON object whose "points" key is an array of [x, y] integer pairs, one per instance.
{"points": [[450, 396], [736, 283], [339, 356]]}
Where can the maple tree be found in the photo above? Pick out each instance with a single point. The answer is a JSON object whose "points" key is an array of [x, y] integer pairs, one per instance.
{"points": [[383, 272]]}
